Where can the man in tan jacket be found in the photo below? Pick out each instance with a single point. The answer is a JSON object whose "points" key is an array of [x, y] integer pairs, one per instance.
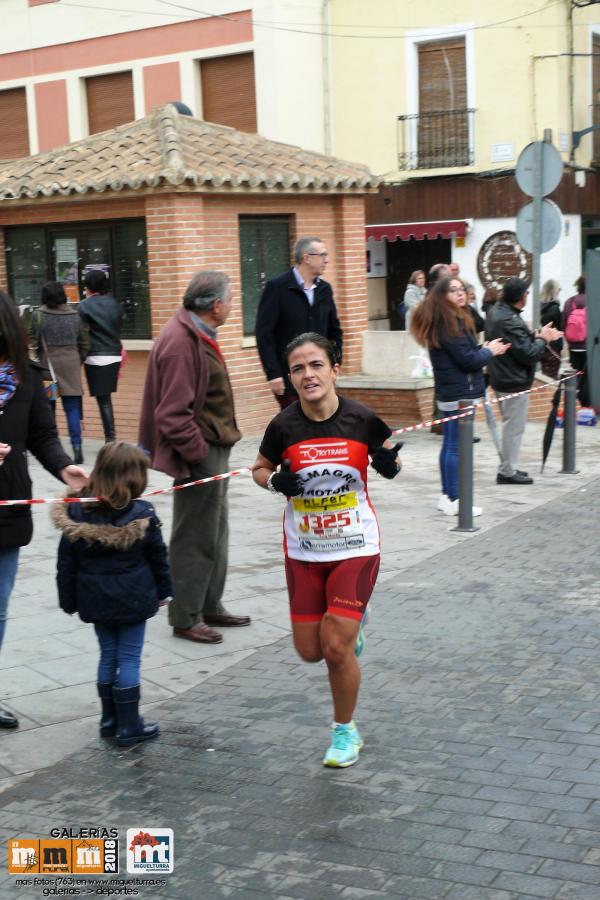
{"points": [[188, 426]]}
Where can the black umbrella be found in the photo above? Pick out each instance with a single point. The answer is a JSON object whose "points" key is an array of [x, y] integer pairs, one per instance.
{"points": [[550, 426]]}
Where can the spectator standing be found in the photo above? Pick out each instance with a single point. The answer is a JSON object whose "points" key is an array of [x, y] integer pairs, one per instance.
{"points": [[550, 313], [59, 336], [113, 570], [471, 303], [188, 426], [296, 302], [26, 425], [414, 293], [575, 328], [102, 314], [444, 325], [513, 372], [437, 271], [490, 296]]}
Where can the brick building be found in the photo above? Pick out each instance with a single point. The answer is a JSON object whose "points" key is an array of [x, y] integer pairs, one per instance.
{"points": [[157, 199]]}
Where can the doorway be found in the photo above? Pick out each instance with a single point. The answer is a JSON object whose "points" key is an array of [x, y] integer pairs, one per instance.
{"points": [[403, 257]]}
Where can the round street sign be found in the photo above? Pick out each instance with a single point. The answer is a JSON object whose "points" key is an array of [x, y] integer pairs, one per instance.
{"points": [[552, 168], [551, 226]]}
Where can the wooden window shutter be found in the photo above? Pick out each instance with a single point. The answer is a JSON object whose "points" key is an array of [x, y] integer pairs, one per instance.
{"points": [[596, 94], [228, 94], [14, 142], [442, 76], [109, 101], [443, 130]]}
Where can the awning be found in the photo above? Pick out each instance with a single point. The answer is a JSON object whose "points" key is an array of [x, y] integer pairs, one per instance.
{"points": [[404, 231]]}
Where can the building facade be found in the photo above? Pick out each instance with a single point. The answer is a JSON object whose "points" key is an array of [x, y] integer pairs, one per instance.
{"points": [[456, 93]]}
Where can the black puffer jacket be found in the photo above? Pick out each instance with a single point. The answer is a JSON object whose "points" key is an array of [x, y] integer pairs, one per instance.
{"points": [[112, 563], [102, 314], [27, 424], [514, 370]]}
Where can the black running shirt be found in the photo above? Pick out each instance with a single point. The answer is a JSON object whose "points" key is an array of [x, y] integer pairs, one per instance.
{"points": [[333, 519]]}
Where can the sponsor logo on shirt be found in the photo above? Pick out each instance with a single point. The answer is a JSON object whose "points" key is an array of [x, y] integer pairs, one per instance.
{"points": [[326, 451]]}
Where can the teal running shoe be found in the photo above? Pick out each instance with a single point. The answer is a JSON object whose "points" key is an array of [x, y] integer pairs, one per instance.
{"points": [[344, 748], [361, 639]]}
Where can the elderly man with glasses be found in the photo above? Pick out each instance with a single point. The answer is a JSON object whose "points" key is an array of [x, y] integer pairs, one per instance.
{"points": [[294, 303]]}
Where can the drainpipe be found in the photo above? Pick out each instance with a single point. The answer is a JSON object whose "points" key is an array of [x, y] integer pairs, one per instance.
{"points": [[571, 77], [326, 64]]}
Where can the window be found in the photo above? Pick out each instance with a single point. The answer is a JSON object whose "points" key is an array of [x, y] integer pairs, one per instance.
{"points": [[443, 131], [64, 253], [228, 94], [438, 130], [264, 253], [131, 277], [26, 264], [109, 101], [596, 95], [13, 124]]}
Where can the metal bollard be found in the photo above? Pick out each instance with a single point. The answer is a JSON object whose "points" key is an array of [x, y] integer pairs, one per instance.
{"points": [[465, 470], [570, 427]]}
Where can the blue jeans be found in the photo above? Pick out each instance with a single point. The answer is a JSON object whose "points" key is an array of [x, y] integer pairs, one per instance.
{"points": [[120, 654], [9, 560], [72, 408], [449, 459]]}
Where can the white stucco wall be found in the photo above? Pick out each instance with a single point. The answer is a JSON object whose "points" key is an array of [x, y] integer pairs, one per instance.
{"points": [[563, 262]]}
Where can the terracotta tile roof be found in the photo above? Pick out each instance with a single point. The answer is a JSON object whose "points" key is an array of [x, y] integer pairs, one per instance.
{"points": [[167, 148]]}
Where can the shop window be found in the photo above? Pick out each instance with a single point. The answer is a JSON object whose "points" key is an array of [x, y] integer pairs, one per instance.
{"points": [[109, 101], [264, 253], [131, 278], [26, 264], [228, 92], [64, 253], [13, 124]]}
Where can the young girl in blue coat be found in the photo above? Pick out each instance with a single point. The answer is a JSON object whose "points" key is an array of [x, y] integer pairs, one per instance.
{"points": [[442, 323], [113, 570]]}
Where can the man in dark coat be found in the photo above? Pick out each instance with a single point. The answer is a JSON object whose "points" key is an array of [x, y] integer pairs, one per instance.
{"points": [[513, 371], [294, 303], [188, 426]]}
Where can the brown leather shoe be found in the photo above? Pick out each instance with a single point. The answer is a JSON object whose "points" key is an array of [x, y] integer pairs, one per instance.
{"points": [[226, 620], [200, 633]]}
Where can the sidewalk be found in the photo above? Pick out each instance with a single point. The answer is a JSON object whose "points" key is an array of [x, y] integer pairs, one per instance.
{"points": [[480, 708], [48, 662]]}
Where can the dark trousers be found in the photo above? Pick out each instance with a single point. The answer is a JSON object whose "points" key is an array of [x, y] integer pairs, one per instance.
{"points": [[199, 543], [578, 359]]}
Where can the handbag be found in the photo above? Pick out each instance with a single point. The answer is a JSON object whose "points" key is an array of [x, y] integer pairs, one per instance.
{"points": [[50, 386]]}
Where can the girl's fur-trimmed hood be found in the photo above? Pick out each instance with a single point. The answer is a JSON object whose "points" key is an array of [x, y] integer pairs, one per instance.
{"points": [[113, 537]]}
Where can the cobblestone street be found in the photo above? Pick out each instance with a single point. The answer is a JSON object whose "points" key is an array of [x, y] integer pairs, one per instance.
{"points": [[480, 710]]}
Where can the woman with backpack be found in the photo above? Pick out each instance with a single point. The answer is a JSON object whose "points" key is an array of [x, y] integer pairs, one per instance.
{"points": [[550, 314], [575, 329]]}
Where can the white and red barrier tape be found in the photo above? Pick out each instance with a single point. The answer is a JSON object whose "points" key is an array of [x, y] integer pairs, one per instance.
{"points": [[467, 411]]}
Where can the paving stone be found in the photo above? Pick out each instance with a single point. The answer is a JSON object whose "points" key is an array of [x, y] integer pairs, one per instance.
{"points": [[479, 705]]}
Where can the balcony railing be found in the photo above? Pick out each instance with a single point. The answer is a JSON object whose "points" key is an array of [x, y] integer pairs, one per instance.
{"points": [[436, 140]]}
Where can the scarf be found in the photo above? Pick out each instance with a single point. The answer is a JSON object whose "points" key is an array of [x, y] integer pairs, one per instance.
{"points": [[8, 382]]}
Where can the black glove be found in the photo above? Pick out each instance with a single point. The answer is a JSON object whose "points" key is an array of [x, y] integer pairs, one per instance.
{"points": [[286, 482], [384, 460]]}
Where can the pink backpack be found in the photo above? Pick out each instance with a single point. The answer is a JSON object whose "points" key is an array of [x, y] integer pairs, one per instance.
{"points": [[576, 330]]}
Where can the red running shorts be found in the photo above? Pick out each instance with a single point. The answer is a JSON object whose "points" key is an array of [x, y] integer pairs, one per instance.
{"points": [[342, 588]]}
